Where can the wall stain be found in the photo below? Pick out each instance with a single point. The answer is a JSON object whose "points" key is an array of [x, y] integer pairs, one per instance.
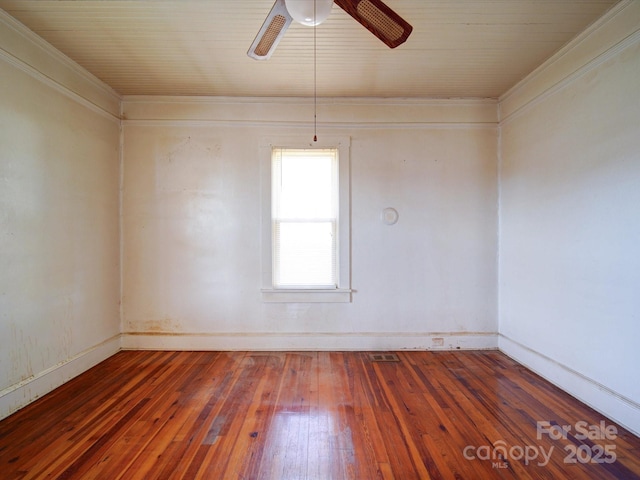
{"points": [[19, 359], [166, 325]]}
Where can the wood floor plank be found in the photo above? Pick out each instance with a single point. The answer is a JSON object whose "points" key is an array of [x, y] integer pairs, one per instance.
{"points": [[310, 415], [207, 416], [406, 460], [331, 394]]}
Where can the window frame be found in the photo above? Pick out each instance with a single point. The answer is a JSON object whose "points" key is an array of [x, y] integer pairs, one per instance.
{"points": [[342, 292]]}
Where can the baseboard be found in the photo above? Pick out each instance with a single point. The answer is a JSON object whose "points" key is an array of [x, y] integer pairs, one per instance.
{"points": [[19, 395], [613, 405], [311, 341]]}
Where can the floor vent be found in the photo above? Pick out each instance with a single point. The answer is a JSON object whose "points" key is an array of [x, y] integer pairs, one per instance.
{"points": [[383, 357]]}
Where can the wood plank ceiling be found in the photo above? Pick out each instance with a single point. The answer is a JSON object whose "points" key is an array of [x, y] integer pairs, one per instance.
{"points": [[458, 48]]}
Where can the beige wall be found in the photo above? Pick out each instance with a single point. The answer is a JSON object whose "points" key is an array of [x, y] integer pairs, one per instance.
{"points": [[570, 221], [191, 217], [59, 235]]}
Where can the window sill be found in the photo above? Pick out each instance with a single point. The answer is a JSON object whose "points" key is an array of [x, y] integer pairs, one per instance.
{"points": [[306, 295]]}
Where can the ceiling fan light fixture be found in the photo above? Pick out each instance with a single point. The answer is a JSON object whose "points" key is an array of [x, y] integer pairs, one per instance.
{"points": [[302, 11]]}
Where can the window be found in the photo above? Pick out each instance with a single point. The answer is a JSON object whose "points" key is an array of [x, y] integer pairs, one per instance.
{"points": [[304, 212], [306, 222]]}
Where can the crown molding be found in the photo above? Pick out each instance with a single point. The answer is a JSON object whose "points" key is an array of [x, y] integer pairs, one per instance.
{"points": [[617, 45], [41, 45]]}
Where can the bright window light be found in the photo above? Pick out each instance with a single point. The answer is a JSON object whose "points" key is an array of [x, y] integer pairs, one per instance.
{"points": [[305, 218]]}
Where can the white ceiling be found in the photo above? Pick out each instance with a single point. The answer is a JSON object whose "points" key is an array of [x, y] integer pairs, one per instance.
{"points": [[458, 48]]}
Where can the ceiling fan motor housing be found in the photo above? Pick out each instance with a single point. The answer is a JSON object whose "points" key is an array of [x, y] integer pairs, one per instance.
{"points": [[309, 12]]}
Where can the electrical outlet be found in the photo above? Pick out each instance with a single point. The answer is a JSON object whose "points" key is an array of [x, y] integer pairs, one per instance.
{"points": [[437, 341]]}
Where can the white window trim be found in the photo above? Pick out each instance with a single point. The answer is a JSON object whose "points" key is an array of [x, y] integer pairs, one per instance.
{"points": [[341, 294]]}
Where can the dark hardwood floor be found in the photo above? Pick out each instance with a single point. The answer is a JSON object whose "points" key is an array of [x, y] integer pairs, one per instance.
{"points": [[312, 415]]}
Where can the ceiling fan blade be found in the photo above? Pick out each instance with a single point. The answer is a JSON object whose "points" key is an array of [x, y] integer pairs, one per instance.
{"points": [[379, 19], [271, 32]]}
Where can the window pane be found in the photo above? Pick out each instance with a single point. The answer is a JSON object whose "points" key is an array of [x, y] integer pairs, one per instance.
{"points": [[306, 187], [305, 253]]}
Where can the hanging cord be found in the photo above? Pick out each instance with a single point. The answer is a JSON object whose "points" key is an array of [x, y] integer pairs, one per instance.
{"points": [[315, 77]]}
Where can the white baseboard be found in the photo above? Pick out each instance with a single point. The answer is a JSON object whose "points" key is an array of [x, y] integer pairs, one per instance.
{"points": [[21, 394], [613, 405], [311, 341]]}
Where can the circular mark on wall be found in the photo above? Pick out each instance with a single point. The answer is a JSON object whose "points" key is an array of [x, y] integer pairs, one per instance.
{"points": [[389, 216]]}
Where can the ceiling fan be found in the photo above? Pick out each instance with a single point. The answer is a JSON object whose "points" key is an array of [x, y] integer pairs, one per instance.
{"points": [[374, 15]]}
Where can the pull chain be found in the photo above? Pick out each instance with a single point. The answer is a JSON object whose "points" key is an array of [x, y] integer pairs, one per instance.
{"points": [[315, 77]]}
